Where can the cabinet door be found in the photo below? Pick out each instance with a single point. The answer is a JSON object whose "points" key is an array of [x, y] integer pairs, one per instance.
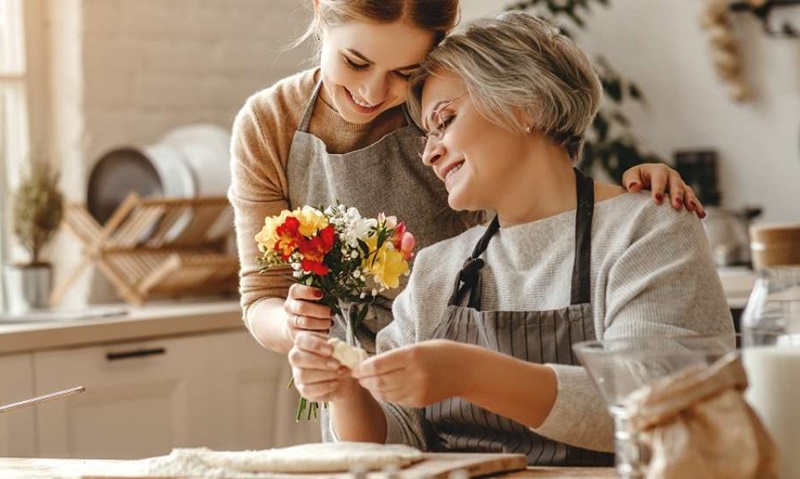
{"points": [[141, 399], [253, 408], [17, 427]]}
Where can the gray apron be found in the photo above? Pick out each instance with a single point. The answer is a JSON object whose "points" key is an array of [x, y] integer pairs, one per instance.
{"points": [[385, 177], [534, 336]]}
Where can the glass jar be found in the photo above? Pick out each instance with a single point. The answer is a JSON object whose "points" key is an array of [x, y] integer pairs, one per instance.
{"points": [[771, 336]]}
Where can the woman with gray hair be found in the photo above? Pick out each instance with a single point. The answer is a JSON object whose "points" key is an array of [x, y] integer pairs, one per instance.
{"points": [[479, 355]]}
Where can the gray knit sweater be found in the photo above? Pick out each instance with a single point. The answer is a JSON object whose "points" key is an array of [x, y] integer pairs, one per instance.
{"points": [[651, 274]]}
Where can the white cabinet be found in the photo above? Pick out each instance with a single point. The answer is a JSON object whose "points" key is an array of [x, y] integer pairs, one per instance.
{"points": [[252, 407], [141, 399], [17, 427], [219, 390]]}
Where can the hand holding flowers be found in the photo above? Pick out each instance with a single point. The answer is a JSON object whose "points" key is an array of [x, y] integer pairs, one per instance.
{"points": [[349, 258]]}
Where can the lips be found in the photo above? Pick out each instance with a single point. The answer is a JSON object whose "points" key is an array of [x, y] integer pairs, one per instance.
{"points": [[359, 107], [450, 169]]}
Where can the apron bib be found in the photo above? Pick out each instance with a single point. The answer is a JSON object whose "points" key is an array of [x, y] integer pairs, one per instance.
{"points": [[533, 336]]}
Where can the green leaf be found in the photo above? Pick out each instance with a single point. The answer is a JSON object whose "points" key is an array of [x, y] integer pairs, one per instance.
{"points": [[635, 92], [600, 126]]}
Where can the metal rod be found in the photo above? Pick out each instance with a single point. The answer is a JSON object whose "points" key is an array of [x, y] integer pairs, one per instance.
{"points": [[46, 397]]}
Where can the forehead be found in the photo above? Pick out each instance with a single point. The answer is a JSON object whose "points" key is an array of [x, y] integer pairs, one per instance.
{"points": [[390, 45], [440, 86]]}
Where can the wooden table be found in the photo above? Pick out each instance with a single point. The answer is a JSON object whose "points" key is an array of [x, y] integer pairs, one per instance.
{"points": [[562, 473], [40, 468]]}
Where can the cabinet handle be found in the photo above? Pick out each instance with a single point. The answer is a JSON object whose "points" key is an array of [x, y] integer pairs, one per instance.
{"points": [[135, 354]]}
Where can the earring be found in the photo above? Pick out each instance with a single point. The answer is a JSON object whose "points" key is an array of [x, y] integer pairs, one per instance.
{"points": [[528, 129]]}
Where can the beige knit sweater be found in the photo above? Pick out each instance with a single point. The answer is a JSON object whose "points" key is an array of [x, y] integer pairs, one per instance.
{"points": [[262, 137]]}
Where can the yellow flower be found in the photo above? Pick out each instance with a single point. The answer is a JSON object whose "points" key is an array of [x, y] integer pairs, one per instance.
{"points": [[267, 237], [387, 264], [311, 220]]}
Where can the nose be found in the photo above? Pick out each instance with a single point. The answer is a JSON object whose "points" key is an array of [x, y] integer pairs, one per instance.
{"points": [[433, 151], [374, 89]]}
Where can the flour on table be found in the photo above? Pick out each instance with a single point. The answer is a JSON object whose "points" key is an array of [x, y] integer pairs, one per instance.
{"points": [[305, 458], [347, 355]]}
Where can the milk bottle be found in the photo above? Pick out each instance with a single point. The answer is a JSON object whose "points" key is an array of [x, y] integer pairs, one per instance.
{"points": [[771, 333]]}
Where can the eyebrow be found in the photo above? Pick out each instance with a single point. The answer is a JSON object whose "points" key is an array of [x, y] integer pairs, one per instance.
{"points": [[367, 60]]}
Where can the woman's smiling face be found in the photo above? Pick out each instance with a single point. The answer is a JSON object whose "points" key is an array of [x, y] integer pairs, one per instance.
{"points": [[365, 66], [474, 157]]}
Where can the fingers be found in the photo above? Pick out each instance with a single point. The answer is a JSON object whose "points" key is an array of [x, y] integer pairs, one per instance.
{"points": [[316, 374], [632, 179], [677, 189], [381, 365], [302, 314]]}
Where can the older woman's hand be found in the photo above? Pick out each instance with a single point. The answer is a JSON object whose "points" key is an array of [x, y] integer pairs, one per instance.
{"points": [[317, 375], [661, 179], [303, 314], [415, 375]]}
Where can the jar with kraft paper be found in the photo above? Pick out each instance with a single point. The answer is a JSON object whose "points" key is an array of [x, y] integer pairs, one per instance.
{"points": [[771, 335]]}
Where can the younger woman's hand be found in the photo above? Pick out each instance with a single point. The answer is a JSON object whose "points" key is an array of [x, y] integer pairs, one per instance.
{"points": [[317, 375], [416, 375], [662, 179], [304, 314]]}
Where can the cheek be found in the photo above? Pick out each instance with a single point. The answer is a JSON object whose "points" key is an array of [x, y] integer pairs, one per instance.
{"points": [[399, 90], [335, 72]]}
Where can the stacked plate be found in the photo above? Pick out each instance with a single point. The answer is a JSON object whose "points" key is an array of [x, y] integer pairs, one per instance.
{"points": [[189, 161]]}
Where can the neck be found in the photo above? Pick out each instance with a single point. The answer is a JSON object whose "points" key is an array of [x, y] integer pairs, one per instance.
{"points": [[544, 186]]}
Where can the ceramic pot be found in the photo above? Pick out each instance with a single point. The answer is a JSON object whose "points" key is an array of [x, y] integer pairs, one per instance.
{"points": [[27, 287]]}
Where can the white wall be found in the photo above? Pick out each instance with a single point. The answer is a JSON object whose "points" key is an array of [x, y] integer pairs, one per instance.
{"points": [[659, 45]]}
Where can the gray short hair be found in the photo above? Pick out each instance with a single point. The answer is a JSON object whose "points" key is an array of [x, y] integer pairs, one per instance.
{"points": [[519, 69]]}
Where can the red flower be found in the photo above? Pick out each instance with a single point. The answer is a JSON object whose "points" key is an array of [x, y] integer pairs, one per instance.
{"points": [[314, 250]]}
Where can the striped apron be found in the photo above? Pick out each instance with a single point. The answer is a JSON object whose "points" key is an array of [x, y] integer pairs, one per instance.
{"points": [[534, 336]]}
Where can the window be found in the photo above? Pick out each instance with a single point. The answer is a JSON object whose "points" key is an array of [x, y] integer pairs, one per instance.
{"points": [[14, 135]]}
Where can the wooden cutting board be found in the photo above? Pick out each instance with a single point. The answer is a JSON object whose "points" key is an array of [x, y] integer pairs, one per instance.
{"points": [[434, 466]]}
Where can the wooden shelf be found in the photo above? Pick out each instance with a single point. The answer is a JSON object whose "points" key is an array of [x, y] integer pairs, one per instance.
{"points": [[156, 247]]}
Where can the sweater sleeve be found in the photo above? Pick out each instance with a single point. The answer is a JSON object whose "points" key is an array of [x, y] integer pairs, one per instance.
{"points": [[258, 189], [664, 283], [405, 425]]}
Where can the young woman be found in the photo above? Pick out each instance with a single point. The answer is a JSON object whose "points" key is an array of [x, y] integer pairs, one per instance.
{"points": [[340, 132], [479, 355]]}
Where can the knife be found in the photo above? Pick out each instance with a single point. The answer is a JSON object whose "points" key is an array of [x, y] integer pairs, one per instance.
{"points": [[38, 399]]}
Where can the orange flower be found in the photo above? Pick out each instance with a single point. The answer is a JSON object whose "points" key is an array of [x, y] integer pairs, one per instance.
{"points": [[288, 237]]}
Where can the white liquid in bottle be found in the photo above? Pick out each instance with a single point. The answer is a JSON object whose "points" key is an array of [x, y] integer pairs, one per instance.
{"points": [[773, 373]]}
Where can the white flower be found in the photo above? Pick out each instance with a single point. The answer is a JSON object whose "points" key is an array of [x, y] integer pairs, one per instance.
{"points": [[297, 274]]}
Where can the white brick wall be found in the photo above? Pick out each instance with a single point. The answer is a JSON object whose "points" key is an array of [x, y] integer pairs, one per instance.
{"points": [[127, 71], [150, 65]]}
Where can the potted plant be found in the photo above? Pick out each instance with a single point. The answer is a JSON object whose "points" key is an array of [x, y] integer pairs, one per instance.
{"points": [[37, 209]]}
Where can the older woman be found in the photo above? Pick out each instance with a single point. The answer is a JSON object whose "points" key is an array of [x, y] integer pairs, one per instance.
{"points": [[479, 356]]}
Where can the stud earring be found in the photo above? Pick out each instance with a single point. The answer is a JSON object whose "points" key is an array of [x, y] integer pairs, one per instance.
{"points": [[528, 129]]}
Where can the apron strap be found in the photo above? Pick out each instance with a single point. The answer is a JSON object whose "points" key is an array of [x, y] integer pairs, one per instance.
{"points": [[306, 120], [469, 278], [581, 268]]}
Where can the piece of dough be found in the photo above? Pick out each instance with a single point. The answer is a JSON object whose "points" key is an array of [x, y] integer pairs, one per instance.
{"points": [[349, 356], [315, 457]]}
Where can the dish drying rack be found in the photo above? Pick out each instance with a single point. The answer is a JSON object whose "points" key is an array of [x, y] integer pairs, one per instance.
{"points": [[156, 247]]}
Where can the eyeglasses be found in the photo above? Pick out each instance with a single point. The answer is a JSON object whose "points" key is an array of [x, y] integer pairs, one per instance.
{"points": [[440, 127]]}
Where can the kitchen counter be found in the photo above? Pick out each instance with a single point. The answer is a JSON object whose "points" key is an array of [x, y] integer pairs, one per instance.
{"points": [[737, 282], [120, 323]]}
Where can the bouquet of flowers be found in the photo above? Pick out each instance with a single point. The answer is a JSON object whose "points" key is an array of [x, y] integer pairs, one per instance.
{"points": [[350, 258]]}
